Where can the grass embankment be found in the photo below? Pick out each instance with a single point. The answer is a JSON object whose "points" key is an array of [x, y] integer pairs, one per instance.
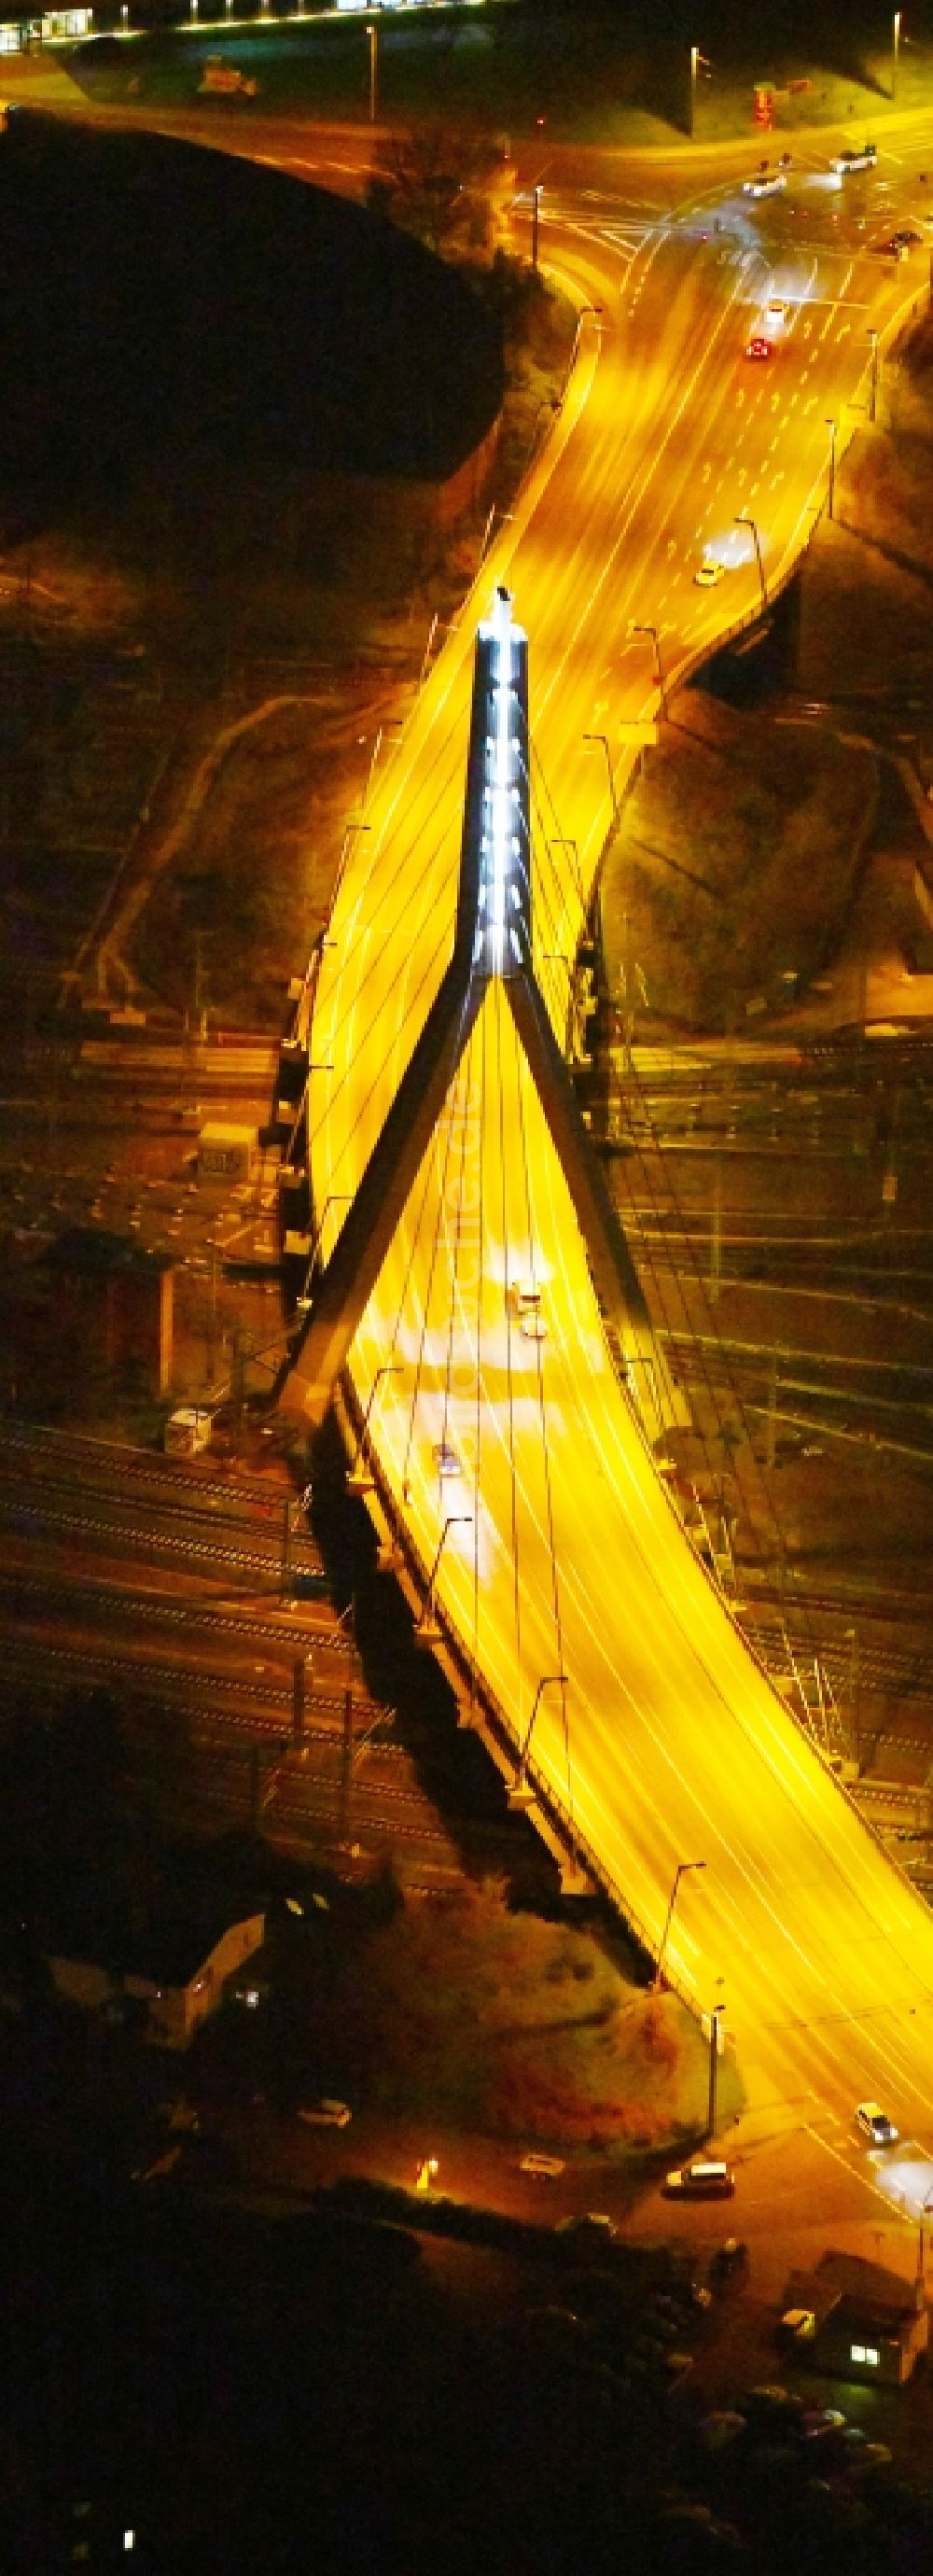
{"points": [[501, 2022], [736, 861], [586, 75]]}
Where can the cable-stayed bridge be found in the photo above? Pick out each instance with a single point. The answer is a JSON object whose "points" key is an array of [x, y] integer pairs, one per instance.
{"points": [[463, 1276]]}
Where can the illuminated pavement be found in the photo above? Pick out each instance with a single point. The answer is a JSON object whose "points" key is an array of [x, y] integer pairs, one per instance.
{"points": [[515, 1468]]}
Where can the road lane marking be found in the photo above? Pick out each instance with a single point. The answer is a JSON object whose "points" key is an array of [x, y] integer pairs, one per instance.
{"points": [[853, 2171]]}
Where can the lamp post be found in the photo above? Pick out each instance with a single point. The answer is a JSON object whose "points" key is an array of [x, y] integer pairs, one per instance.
{"points": [[359, 1480], [337, 1198], [426, 1631], [603, 738], [535, 210], [389, 724], [742, 521], [658, 666], [895, 51], [679, 1873], [520, 1795], [698, 61], [831, 426], [372, 33], [926, 2211], [715, 2044], [873, 389]]}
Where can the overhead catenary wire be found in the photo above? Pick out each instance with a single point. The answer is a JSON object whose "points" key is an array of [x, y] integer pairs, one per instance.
{"points": [[736, 1403]]}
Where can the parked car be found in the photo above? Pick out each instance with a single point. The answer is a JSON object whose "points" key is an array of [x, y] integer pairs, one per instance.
{"points": [[591, 2222], [546, 2168], [769, 2406], [818, 2422], [798, 2325], [730, 2259], [705, 2178], [327, 2114]]}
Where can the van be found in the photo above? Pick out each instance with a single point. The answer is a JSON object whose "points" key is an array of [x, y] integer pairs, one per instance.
{"points": [[706, 2178], [187, 1431]]}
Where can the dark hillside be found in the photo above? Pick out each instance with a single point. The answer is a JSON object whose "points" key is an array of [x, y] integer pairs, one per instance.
{"points": [[164, 303]]}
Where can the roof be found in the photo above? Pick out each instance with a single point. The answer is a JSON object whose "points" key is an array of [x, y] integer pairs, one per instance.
{"points": [[166, 1945], [882, 2318], [848, 2290], [89, 1252]]}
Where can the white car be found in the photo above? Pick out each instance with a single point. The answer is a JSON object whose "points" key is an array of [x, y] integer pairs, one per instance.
{"points": [[775, 309], [707, 2178], [327, 2114], [546, 2168], [708, 573], [863, 160], [768, 183], [875, 2124]]}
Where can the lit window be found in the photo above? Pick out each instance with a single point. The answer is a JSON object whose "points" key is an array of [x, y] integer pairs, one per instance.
{"points": [[129, 2540], [866, 2352], [872, 2356], [858, 2352]]}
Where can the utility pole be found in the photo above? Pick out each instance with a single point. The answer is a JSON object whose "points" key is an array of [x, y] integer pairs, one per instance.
{"points": [[535, 207], [715, 2044], [299, 1676], [773, 1385], [873, 389], [346, 1765], [715, 1249], [697, 61], [199, 1004], [831, 426], [855, 1677], [372, 33]]}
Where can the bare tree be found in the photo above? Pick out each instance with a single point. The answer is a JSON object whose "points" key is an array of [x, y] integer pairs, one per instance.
{"points": [[433, 183]]}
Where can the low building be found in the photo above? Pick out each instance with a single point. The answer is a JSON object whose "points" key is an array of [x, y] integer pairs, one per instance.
{"points": [[870, 2324], [83, 1314], [228, 1151], [168, 1972]]}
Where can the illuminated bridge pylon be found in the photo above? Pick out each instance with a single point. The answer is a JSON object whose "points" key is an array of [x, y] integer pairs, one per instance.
{"points": [[492, 945]]}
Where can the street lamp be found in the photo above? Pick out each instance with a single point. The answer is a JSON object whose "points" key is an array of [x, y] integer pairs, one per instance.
{"points": [[426, 1631], [520, 1795], [742, 521], [373, 37], [873, 391], [659, 671], [603, 738], [698, 61], [679, 1873], [715, 2044], [337, 1198], [535, 207], [895, 51], [831, 426], [359, 1479]]}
